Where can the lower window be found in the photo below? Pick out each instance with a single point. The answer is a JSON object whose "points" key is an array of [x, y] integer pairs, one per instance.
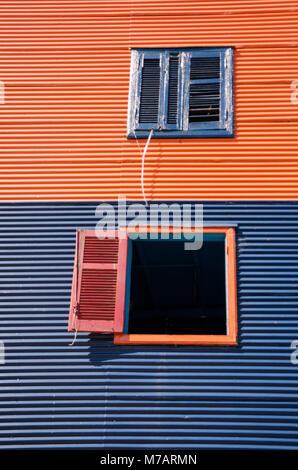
{"points": [[177, 296]]}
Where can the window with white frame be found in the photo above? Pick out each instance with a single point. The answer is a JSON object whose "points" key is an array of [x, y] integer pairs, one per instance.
{"points": [[181, 93]]}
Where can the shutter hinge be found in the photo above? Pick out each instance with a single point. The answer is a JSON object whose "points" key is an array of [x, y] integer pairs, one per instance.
{"points": [[76, 309]]}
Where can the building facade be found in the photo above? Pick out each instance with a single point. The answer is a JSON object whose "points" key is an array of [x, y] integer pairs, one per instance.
{"points": [[65, 73]]}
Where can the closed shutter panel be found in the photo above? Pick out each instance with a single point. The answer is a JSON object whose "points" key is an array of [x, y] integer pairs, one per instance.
{"points": [[98, 289], [150, 84], [172, 112]]}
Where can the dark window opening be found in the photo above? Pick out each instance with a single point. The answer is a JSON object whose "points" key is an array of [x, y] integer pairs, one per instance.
{"points": [[204, 101], [175, 291]]}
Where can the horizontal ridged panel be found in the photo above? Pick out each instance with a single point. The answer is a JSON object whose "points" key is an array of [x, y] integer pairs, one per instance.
{"points": [[97, 294], [100, 251], [96, 394], [266, 30], [65, 66], [122, 7], [149, 94]]}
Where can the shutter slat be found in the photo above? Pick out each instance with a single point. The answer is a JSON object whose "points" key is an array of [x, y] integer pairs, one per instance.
{"points": [[204, 67], [98, 291]]}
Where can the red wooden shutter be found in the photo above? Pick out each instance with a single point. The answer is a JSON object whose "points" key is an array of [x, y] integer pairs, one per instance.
{"points": [[98, 287]]}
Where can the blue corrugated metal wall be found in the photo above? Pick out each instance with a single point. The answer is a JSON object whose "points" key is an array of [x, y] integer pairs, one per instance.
{"points": [[96, 394]]}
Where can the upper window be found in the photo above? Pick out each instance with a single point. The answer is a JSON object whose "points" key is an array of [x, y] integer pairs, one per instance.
{"points": [[181, 93]]}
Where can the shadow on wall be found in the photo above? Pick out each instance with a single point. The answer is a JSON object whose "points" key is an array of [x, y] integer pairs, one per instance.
{"points": [[154, 358]]}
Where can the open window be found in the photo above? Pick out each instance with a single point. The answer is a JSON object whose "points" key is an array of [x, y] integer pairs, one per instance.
{"points": [[181, 93], [154, 291]]}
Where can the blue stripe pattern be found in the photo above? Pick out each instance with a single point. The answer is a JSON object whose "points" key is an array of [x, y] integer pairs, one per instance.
{"points": [[98, 395]]}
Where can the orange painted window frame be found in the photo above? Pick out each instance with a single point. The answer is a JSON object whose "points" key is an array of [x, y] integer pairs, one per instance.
{"points": [[217, 340]]}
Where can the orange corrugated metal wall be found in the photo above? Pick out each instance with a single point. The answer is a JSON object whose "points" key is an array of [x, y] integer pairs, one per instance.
{"points": [[65, 66]]}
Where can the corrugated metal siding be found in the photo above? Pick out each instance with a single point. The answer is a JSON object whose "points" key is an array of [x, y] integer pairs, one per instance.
{"points": [[96, 394], [65, 65]]}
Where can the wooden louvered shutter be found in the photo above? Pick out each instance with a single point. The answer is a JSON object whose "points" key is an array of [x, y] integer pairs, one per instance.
{"points": [[98, 288], [173, 113], [150, 91]]}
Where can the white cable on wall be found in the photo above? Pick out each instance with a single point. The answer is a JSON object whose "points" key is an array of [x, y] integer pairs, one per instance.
{"points": [[143, 160], [143, 165]]}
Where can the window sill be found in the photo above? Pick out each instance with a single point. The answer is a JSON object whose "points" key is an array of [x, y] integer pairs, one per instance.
{"points": [[211, 133], [203, 340]]}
